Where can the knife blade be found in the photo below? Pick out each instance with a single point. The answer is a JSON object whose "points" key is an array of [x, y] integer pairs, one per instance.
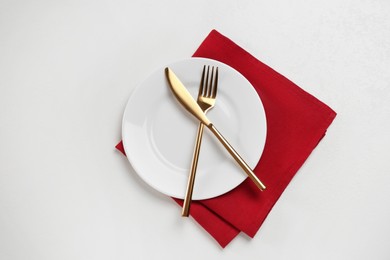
{"points": [[188, 102]]}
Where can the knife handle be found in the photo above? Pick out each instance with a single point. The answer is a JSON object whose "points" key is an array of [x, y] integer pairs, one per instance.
{"points": [[191, 179], [237, 157]]}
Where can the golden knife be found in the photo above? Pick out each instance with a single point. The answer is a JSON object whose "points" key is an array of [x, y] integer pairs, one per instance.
{"points": [[189, 103]]}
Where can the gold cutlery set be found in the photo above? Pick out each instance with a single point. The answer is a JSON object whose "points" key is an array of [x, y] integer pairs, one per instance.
{"points": [[205, 101]]}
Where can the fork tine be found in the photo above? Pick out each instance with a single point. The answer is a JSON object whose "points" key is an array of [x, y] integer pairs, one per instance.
{"points": [[210, 83], [206, 83], [215, 85], [200, 93]]}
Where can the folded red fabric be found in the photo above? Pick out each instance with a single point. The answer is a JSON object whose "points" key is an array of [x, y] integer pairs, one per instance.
{"points": [[296, 123]]}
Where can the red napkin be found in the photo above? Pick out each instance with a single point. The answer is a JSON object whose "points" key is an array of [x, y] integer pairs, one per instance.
{"points": [[296, 123]]}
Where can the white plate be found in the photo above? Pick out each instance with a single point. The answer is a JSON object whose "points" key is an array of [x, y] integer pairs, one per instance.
{"points": [[159, 135]]}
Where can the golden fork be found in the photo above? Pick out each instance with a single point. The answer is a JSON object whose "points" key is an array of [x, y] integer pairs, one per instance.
{"points": [[206, 100]]}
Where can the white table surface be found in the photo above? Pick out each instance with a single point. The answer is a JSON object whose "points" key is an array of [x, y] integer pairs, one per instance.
{"points": [[67, 69]]}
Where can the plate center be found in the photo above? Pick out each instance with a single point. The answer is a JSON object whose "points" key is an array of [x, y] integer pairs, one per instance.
{"points": [[175, 145]]}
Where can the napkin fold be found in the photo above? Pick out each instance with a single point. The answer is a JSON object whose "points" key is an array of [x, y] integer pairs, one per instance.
{"points": [[296, 123]]}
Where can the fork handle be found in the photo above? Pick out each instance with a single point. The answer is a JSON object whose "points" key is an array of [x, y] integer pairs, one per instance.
{"points": [[191, 178], [237, 157]]}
